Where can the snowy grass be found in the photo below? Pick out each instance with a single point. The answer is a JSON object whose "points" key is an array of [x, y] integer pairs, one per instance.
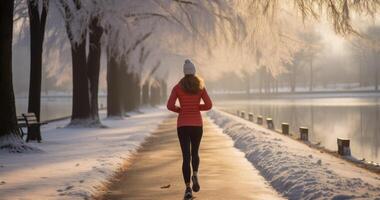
{"points": [[13, 143], [74, 162], [294, 169]]}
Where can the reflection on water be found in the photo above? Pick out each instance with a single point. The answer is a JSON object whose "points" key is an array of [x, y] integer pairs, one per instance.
{"points": [[52, 107], [357, 119]]}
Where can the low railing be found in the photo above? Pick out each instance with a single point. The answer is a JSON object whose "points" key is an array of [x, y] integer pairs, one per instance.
{"points": [[303, 135]]}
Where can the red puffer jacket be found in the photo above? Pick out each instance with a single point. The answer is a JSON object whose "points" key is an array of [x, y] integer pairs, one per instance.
{"points": [[190, 106]]}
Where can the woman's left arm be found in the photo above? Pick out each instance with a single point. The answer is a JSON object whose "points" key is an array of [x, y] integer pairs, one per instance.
{"points": [[207, 101]]}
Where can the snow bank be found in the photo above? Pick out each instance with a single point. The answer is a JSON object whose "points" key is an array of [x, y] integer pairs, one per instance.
{"points": [[75, 161], [294, 169]]}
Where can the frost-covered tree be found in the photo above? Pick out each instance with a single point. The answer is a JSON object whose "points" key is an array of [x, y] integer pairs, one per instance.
{"points": [[366, 50], [373, 34], [75, 17], [359, 48], [310, 46], [82, 22]]}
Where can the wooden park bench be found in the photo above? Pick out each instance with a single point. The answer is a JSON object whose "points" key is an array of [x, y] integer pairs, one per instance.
{"points": [[30, 121]]}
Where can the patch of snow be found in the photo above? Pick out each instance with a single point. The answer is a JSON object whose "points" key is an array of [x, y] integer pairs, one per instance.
{"points": [[75, 162], [13, 143], [85, 123], [294, 169]]}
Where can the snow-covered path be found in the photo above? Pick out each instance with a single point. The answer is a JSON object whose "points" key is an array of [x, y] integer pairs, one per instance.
{"points": [[76, 161], [294, 169], [224, 173]]}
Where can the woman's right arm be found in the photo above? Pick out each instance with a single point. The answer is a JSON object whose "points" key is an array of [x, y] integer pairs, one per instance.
{"points": [[171, 102]]}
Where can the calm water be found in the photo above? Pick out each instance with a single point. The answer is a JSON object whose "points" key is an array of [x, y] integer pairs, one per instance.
{"points": [[52, 107], [357, 119]]}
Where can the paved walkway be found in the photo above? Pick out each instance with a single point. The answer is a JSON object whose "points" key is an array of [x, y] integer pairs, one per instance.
{"points": [[224, 173]]}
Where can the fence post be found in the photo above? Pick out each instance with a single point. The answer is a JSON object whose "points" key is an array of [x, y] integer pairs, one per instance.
{"points": [[285, 128], [242, 114], [270, 123], [304, 133], [238, 112], [260, 119], [250, 117], [343, 147]]}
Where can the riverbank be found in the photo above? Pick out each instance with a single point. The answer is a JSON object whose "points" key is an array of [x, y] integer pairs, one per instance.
{"points": [[75, 162], [294, 169], [369, 165], [327, 119]]}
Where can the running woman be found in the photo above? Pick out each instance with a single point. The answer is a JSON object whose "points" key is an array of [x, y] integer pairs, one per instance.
{"points": [[189, 91]]}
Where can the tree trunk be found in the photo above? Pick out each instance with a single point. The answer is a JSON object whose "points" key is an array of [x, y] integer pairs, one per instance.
{"points": [[376, 64], [137, 91], [8, 119], [134, 95], [360, 71], [155, 94], [145, 93], [247, 83], [276, 85], [261, 80], [267, 81], [293, 79], [164, 89], [81, 102], [311, 76], [37, 32], [127, 92], [114, 101], [126, 87], [152, 95], [93, 64], [9, 137]]}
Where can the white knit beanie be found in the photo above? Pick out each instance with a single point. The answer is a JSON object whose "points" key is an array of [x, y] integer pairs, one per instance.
{"points": [[188, 67]]}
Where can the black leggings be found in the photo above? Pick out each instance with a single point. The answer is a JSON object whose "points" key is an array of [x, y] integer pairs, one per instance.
{"points": [[189, 136]]}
